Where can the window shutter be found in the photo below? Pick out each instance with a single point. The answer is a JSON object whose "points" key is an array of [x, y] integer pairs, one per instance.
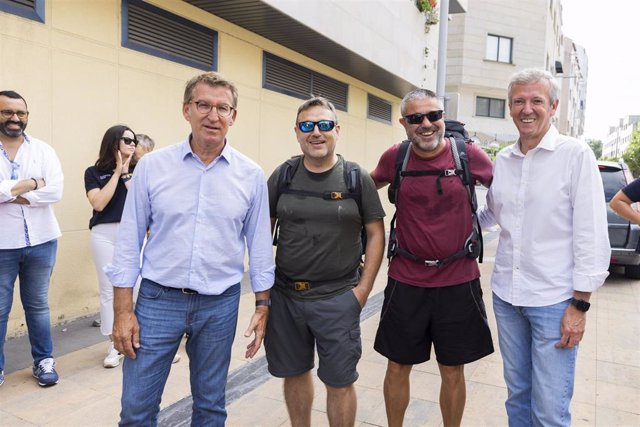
{"points": [[160, 33], [378, 109], [295, 80]]}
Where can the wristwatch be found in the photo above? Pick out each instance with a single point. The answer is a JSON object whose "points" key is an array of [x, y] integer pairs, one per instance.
{"points": [[580, 304], [265, 302]]}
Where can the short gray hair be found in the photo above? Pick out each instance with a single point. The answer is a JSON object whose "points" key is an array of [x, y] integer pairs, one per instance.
{"points": [[145, 141], [535, 75], [318, 101], [212, 79], [417, 94]]}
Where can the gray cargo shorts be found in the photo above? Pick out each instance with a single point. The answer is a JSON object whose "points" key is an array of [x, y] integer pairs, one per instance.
{"points": [[332, 324]]}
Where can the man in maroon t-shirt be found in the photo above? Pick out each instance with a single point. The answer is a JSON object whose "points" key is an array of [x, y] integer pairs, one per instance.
{"points": [[431, 304]]}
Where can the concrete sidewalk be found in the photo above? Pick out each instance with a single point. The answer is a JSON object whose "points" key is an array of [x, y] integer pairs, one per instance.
{"points": [[607, 391]]}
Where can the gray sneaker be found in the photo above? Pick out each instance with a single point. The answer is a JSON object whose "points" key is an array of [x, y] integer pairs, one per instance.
{"points": [[1, 377], [45, 372]]}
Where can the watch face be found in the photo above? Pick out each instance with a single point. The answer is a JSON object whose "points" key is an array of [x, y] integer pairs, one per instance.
{"points": [[580, 304]]}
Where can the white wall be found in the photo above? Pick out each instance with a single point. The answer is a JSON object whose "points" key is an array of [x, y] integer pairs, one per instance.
{"points": [[389, 33]]}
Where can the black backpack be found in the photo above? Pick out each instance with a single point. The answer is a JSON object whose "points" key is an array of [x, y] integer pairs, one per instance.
{"points": [[458, 137], [351, 173]]}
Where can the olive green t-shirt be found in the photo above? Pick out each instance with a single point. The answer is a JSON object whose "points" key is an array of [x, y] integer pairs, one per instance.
{"points": [[319, 240]]}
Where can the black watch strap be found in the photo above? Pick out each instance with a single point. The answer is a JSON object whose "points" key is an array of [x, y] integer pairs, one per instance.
{"points": [[580, 304], [265, 302]]}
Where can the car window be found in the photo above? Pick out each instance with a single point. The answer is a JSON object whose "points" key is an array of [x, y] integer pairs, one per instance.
{"points": [[613, 180]]}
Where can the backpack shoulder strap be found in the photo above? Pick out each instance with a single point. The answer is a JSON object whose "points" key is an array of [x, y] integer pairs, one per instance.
{"points": [[353, 182], [287, 170], [461, 159], [402, 159]]}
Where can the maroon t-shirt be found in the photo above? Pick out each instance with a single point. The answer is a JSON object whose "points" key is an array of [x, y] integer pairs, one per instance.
{"points": [[430, 225]]}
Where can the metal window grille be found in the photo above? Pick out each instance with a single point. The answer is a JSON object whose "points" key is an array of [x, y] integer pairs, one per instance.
{"points": [[294, 80], [31, 9], [378, 109], [157, 32]]}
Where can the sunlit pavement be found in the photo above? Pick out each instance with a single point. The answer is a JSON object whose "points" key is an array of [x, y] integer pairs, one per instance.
{"points": [[607, 391]]}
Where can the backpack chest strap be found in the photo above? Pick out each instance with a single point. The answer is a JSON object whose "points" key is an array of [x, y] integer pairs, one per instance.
{"points": [[326, 195], [438, 173]]}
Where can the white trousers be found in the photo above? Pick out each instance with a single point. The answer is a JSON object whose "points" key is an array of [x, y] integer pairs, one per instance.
{"points": [[103, 238]]}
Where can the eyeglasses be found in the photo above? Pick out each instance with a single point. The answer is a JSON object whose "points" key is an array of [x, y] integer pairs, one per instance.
{"points": [[323, 126], [129, 141], [7, 114], [223, 110], [416, 119]]}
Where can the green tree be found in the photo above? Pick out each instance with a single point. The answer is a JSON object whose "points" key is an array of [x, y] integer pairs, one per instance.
{"points": [[596, 146], [631, 155]]}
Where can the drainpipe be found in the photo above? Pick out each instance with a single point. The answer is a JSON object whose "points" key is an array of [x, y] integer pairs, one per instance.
{"points": [[442, 51]]}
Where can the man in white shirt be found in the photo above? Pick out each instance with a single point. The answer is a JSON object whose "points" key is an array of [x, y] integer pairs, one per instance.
{"points": [[553, 252], [31, 182]]}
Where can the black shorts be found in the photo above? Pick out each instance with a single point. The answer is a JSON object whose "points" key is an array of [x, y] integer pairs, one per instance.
{"points": [[453, 318]]}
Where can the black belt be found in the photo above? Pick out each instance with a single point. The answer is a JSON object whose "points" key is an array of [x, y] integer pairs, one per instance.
{"points": [[305, 285], [185, 291]]}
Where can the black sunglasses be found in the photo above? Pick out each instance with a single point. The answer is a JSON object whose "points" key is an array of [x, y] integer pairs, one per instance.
{"points": [[129, 141], [416, 119], [323, 126]]}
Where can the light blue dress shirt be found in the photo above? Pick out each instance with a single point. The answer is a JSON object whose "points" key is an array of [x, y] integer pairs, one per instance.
{"points": [[200, 218]]}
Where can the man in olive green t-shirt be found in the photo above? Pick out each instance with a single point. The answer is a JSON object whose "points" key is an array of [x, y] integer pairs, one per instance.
{"points": [[320, 288]]}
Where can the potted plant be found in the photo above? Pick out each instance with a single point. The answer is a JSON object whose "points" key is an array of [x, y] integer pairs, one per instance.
{"points": [[429, 8]]}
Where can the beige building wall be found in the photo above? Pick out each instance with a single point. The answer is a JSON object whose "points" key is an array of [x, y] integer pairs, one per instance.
{"points": [[78, 81]]}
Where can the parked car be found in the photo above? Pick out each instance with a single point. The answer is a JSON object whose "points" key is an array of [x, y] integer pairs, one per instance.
{"points": [[623, 235]]}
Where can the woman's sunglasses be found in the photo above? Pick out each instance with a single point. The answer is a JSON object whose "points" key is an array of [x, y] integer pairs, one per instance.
{"points": [[129, 141]]}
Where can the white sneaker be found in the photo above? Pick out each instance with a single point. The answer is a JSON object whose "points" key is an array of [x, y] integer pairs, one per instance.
{"points": [[176, 358], [113, 358]]}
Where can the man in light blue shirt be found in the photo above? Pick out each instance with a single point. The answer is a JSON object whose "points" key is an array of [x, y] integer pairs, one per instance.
{"points": [[202, 202]]}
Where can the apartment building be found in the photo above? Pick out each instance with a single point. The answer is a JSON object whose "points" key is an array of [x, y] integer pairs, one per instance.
{"points": [[487, 44], [84, 66], [619, 137], [573, 95]]}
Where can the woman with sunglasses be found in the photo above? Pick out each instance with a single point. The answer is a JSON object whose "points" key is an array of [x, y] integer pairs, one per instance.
{"points": [[106, 184]]}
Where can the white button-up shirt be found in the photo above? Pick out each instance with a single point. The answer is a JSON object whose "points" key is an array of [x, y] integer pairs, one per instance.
{"points": [[550, 206], [35, 223]]}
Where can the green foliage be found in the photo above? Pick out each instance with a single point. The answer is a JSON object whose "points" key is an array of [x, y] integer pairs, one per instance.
{"points": [[493, 151], [423, 5], [426, 5], [631, 155], [596, 146]]}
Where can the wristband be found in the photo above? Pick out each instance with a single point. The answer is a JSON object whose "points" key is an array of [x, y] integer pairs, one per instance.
{"points": [[36, 182], [265, 302]]}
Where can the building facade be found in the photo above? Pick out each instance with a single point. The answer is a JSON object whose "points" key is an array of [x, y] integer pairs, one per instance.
{"points": [[84, 66], [573, 95], [487, 44], [619, 137]]}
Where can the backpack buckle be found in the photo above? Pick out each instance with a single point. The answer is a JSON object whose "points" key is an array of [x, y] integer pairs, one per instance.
{"points": [[449, 172], [336, 195], [301, 286], [432, 263]]}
